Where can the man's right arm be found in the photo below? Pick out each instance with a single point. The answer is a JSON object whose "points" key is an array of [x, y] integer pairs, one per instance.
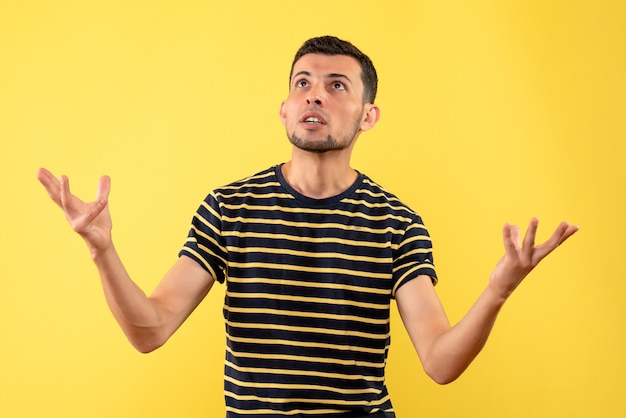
{"points": [[147, 321]]}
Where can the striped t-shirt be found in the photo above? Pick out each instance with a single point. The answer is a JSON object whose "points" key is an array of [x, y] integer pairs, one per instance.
{"points": [[308, 289]]}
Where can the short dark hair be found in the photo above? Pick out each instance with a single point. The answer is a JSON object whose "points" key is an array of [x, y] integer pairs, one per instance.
{"points": [[331, 45]]}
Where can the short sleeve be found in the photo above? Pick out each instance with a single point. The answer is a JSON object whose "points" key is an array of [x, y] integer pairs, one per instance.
{"points": [[205, 243], [413, 256]]}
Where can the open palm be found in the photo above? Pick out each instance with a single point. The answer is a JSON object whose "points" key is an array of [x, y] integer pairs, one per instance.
{"points": [[91, 220], [519, 260]]}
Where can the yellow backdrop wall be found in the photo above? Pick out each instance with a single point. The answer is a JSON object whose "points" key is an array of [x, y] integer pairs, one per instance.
{"points": [[492, 112]]}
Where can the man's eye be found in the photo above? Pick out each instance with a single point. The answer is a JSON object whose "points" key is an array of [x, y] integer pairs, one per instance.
{"points": [[302, 83], [338, 85]]}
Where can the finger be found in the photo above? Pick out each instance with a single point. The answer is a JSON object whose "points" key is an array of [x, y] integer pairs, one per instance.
{"points": [[510, 245], [102, 199], [560, 234], [44, 175], [571, 230], [66, 199], [81, 217], [529, 239], [51, 184], [104, 187], [515, 233], [93, 210]]}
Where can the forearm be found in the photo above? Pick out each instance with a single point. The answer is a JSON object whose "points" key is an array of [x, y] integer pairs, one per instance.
{"points": [[446, 351], [136, 314], [454, 349], [147, 321]]}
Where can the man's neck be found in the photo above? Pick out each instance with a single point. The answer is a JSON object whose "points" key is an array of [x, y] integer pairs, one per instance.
{"points": [[319, 176]]}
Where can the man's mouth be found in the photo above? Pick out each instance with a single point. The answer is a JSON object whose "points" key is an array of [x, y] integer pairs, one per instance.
{"points": [[313, 120]]}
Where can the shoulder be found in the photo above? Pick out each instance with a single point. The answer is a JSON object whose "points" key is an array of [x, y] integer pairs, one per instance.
{"points": [[263, 178], [371, 194], [259, 183]]}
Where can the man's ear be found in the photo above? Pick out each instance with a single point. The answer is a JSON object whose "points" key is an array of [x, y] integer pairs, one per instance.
{"points": [[370, 116], [281, 113]]}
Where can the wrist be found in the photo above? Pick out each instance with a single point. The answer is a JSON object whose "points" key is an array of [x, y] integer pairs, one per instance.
{"points": [[99, 254], [497, 296]]}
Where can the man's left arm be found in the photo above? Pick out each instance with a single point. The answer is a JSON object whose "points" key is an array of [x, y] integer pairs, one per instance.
{"points": [[446, 351]]}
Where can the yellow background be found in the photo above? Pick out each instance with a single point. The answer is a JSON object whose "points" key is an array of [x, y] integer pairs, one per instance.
{"points": [[492, 112]]}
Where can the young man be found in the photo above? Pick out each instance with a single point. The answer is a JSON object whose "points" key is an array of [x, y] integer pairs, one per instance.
{"points": [[312, 252]]}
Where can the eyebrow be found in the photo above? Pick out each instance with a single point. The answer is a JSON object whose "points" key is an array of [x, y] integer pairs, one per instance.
{"points": [[330, 75]]}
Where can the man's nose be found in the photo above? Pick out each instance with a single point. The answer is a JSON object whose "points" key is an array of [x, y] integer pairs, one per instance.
{"points": [[315, 96], [314, 99]]}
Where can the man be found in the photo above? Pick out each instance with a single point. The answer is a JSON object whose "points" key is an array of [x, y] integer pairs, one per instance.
{"points": [[312, 252]]}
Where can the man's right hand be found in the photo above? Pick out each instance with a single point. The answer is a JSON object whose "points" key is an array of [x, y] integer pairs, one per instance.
{"points": [[91, 220], [147, 321]]}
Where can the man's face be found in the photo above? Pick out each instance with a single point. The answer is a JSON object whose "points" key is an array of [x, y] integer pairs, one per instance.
{"points": [[324, 110]]}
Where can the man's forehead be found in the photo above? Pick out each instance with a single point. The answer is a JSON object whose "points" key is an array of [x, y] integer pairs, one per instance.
{"points": [[327, 64]]}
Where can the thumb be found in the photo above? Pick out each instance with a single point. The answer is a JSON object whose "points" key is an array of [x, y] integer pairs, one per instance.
{"points": [[104, 188]]}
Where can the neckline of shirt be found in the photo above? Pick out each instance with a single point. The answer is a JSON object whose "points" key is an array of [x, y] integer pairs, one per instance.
{"points": [[309, 201]]}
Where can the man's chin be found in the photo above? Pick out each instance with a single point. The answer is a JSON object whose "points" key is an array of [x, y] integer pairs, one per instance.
{"points": [[317, 146]]}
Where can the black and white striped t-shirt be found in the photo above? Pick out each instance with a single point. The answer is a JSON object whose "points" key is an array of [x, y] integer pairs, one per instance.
{"points": [[308, 290]]}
